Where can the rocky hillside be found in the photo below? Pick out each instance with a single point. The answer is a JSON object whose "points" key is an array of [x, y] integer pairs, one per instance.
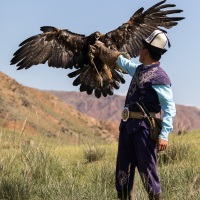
{"points": [[40, 112], [109, 109], [69, 115]]}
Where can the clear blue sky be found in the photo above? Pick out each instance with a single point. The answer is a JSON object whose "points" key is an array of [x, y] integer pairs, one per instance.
{"points": [[23, 18]]}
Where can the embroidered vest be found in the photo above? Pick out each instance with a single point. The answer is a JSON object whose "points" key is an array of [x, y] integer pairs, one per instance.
{"points": [[140, 88]]}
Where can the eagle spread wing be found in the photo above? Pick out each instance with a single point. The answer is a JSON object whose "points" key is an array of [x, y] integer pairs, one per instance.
{"points": [[65, 49]]}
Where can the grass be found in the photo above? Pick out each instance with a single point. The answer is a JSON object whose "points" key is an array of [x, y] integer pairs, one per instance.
{"points": [[93, 152], [47, 170]]}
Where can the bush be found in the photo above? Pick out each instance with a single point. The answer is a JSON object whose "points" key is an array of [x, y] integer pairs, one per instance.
{"points": [[93, 152]]}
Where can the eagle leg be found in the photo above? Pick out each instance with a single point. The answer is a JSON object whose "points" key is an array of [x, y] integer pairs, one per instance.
{"points": [[91, 57]]}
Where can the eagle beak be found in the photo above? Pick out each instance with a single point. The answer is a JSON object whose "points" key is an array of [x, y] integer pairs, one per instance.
{"points": [[97, 36]]}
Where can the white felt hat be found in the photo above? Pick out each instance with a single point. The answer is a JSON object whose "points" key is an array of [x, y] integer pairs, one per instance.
{"points": [[156, 41]]}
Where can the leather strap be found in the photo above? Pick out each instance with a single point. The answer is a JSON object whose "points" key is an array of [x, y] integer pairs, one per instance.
{"points": [[139, 115], [126, 114]]}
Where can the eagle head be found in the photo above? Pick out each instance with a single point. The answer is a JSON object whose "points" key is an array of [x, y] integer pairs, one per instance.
{"points": [[94, 37]]}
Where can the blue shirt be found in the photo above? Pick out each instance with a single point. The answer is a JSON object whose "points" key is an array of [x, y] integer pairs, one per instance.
{"points": [[165, 97]]}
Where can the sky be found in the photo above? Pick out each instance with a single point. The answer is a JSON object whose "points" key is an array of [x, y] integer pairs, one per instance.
{"points": [[23, 18]]}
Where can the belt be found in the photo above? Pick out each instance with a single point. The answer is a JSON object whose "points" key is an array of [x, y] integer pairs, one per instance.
{"points": [[126, 114]]}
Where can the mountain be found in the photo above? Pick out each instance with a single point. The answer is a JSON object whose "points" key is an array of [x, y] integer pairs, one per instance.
{"points": [[24, 109], [69, 116], [109, 109]]}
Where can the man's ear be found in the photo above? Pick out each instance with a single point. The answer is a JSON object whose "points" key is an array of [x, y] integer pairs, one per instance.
{"points": [[146, 51]]}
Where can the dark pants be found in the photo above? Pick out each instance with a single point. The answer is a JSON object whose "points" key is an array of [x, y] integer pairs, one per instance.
{"points": [[136, 149]]}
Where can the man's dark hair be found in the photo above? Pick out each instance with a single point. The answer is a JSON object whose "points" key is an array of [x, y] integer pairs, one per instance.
{"points": [[154, 55]]}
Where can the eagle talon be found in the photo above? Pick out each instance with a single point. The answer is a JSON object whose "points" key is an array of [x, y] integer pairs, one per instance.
{"points": [[99, 76]]}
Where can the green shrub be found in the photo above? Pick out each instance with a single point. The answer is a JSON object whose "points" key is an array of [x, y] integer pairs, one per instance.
{"points": [[94, 152]]}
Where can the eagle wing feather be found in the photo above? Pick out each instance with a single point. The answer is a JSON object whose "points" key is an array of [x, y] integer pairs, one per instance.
{"points": [[56, 46], [62, 48], [128, 36]]}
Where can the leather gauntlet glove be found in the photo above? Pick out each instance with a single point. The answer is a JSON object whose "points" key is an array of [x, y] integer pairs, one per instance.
{"points": [[108, 56]]}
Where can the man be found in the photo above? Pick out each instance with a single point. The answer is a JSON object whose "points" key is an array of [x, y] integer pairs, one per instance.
{"points": [[150, 89]]}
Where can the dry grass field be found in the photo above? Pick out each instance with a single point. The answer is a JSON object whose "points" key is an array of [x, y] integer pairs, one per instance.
{"points": [[43, 168]]}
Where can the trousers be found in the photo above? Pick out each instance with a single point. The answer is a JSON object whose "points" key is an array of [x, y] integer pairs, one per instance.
{"points": [[136, 150]]}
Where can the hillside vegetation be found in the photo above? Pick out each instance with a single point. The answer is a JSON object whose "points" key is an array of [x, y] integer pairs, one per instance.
{"points": [[36, 112]]}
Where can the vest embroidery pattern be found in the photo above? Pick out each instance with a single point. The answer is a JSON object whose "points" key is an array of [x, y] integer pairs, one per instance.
{"points": [[147, 76], [143, 77]]}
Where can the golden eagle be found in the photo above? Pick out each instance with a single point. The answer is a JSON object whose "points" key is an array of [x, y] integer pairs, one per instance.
{"points": [[65, 49]]}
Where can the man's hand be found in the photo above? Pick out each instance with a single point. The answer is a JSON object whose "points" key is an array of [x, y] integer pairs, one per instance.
{"points": [[108, 56], [96, 48], [161, 144]]}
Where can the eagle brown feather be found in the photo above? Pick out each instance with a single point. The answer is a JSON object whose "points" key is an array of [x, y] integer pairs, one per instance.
{"points": [[62, 48]]}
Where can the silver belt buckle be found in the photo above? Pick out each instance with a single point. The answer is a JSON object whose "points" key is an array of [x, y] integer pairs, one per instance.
{"points": [[125, 114]]}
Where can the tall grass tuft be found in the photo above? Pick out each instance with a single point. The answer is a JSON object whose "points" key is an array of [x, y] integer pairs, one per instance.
{"points": [[177, 151], [180, 181], [93, 152], [13, 185]]}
